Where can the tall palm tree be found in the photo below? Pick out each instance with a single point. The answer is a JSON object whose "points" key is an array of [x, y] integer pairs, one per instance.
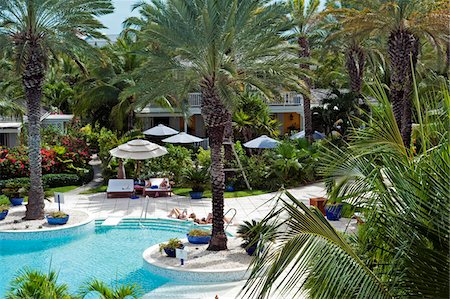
{"points": [[402, 249], [306, 17], [217, 47], [403, 23], [105, 83], [37, 30]]}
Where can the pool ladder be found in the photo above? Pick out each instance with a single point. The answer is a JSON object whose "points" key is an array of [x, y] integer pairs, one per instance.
{"points": [[144, 208], [231, 219]]}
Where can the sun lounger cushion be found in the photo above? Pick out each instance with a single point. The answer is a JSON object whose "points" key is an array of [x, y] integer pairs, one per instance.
{"points": [[118, 187]]}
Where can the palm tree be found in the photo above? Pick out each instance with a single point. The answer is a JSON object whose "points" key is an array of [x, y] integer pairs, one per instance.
{"points": [[402, 249], [218, 47], [403, 23], [37, 285], [107, 292], [305, 15], [37, 30]]}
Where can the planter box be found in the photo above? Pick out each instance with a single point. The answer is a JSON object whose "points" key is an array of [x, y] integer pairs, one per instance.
{"points": [[3, 214], [57, 221], [333, 212], [16, 201], [198, 239], [229, 189], [251, 250], [171, 251], [196, 195]]}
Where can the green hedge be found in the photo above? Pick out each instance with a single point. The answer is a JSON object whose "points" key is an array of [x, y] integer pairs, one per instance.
{"points": [[57, 180]]}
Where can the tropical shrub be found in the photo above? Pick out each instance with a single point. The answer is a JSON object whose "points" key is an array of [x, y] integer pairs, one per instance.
{"points": [[402, 249], [37, 285], [203, 157], [199, 233], [170, 165], [59, 180], [70, 155], [196, 177], [49, 180], [172, 244]]}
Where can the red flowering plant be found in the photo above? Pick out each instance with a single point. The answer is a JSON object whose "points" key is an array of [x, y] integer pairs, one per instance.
{"points": [[67, 154], [13, 163]]}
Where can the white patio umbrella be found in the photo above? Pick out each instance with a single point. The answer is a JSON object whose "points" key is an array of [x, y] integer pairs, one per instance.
{"points": [[262, 142], [316, 135], [137, 149], [182, 138], [160, 130]]}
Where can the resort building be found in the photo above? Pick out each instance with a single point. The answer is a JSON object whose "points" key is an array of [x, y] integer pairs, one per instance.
{"points": [[288, 109], [10, 127]]}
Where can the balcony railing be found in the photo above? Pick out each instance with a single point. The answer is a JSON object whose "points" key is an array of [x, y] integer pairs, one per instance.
{"points": [[286, 99]]}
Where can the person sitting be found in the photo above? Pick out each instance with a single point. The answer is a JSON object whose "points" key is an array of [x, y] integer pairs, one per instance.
{"points": [[163, 184]]}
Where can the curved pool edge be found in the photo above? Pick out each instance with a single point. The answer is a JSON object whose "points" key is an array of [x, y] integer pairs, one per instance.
{"points": [[192, 275], [45, 233]]}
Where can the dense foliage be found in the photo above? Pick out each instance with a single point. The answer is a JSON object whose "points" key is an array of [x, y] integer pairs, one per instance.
{"points": [[401, 251]]}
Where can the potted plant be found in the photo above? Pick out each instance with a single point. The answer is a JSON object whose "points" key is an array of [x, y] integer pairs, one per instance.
{"points": [[333, 210], [3, 211], [15, 192], [199, 236], [57, 218], [170, 246], [197, 177], [253, 232]]}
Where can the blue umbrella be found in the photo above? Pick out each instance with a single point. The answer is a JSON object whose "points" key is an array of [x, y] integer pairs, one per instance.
{"points": [[301, 134], [262, 142]]}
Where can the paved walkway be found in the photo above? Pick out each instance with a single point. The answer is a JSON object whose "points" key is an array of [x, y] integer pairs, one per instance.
{"points": [[251, 207]]}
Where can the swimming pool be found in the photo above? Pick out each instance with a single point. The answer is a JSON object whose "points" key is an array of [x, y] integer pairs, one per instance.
{"points": [[111, 254]]}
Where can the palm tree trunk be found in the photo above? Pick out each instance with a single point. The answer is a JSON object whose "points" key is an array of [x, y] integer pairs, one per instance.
{"points": [[305, 52], [215, 115], [355, 61], [403, 49], [33, 78]]}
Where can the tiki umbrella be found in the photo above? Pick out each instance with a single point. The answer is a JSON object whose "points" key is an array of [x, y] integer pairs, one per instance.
{"points": [[182, 138], [160, 130], [138, 149], [262, 142]]}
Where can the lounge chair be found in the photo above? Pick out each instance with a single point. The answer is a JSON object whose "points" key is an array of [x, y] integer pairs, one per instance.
{"points": [[120, 188], [156, 190]]}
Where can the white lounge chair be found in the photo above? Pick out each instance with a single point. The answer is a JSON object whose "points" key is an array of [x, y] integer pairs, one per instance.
{"points": [[120, 188], [158, 191]]}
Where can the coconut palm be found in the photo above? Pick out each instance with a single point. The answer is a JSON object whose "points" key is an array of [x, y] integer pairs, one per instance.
{"points": [[403, 23], [306, 18], [37, 285], [218, 47], [38, 30], [105, 83], [107, 292], [402, 250]]}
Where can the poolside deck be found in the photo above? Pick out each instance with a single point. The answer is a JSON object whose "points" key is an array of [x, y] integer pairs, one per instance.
{"points": [[251, 207]]}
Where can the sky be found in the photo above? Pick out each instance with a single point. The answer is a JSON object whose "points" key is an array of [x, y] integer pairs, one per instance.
{"points": [[121, 12]]}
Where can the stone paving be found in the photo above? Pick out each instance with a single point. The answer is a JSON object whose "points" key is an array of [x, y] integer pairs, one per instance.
{"points": [[251, 207]]}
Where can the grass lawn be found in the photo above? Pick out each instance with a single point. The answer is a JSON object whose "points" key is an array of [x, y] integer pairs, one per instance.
{"points": [[49, 192], [207, 193], [96, 190]]}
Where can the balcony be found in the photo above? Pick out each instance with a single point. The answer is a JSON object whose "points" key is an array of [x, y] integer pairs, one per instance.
{"points": [[286, 99]]}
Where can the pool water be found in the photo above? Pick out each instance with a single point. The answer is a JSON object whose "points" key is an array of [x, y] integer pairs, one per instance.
{"points": [[111, 255]]}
